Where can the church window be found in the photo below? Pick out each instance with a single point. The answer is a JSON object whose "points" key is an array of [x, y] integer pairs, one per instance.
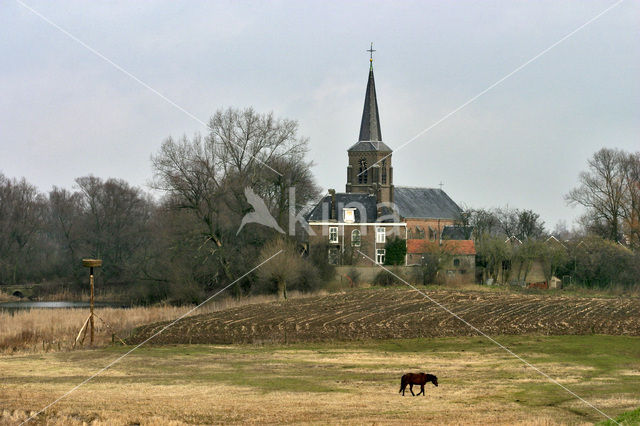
{"points": [[384, 172], [362, 171], [333, 234], [355, 238], [380, 235], [456, 262], [380, 256]]}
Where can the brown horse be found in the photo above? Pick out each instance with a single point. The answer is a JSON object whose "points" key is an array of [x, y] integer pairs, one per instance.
{"points": [[417, 379]]}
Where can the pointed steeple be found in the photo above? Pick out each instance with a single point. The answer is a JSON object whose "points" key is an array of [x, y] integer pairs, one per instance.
{"points": [[370, 125]]}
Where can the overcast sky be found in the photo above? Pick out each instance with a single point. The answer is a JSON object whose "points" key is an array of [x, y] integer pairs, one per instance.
{"points": [[65, 112]]}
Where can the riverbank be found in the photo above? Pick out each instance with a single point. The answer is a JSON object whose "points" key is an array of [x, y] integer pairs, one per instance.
{"points": [[46, 330]]}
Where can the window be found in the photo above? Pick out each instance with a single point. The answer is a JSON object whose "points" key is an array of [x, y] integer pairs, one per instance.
{"points": [[380, 235], [456, 262], [384, 172], [432, 234], [333, 234], [380, 256], [334, 256], [355, 238], [362, 171], [349, 215]]}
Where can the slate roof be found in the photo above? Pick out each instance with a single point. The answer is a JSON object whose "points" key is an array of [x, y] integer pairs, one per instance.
{"points": [[370, 124], [457, 232], [369, 146], [464, 247], [424, 203], [365, 205]]}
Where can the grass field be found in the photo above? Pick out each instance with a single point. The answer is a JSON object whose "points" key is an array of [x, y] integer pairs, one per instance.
{"points": [[330, 382]]}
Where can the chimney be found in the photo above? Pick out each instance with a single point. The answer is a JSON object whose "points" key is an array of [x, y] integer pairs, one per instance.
{"points": [[332, 210]]}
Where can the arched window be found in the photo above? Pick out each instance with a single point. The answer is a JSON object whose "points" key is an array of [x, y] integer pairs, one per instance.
{"points": [[362, 171], [355, 238]]}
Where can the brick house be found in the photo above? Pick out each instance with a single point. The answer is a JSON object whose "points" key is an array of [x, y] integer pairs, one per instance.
{"points": [[353, 226], [459, 255]]}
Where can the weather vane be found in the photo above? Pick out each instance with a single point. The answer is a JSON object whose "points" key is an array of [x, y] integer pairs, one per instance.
{"points": [[371, 50]]}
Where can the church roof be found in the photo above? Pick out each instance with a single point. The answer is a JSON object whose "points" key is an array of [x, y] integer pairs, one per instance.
{"points": [[457, 232], [370, 146], [370, 125], [424, 203]]}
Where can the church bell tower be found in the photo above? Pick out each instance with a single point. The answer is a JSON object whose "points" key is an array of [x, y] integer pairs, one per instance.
{"points": [[369, 169]]}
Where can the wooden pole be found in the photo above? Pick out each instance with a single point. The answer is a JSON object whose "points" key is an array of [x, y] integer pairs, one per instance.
{"points": [[91, 302]]}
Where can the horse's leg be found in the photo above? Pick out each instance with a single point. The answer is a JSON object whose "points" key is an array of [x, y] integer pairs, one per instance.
{"points": [[422, 389], [411, 389]]}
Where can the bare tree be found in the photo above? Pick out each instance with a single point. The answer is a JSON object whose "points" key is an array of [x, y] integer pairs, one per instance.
{"points": [[116, 224], [22, 212], [208, 176], [282, 269], [631, 204], [602, 190], [529, 225]]}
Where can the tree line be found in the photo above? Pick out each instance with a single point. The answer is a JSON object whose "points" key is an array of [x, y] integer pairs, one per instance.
{"points": [[177, 247], [602, 251], [186, 244]]}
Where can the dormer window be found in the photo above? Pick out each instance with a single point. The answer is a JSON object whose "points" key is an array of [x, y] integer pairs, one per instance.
{"points": [[349, 215]]}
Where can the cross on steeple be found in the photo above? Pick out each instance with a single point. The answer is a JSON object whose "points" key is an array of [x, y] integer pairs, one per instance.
{"points": [[441, 185], [371, 50]]}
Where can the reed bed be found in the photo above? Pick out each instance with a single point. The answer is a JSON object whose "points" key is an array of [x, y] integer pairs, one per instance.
{"points": [[45, 330]]}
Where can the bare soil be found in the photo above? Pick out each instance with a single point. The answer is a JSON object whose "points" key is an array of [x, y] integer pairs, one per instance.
{"points": [[401, 314]]}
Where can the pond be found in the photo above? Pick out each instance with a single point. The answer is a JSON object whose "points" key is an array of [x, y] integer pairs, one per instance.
{"points": [[26, 305]]}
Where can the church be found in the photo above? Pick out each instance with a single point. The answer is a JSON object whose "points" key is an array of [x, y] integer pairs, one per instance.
{"points": [[354, 226]]}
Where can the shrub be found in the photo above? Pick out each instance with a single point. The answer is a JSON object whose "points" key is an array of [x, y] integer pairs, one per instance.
{"points": [[354, 275], [385, 278]]}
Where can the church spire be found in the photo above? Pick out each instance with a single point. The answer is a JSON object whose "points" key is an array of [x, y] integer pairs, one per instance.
{"points": [[370, 125]]}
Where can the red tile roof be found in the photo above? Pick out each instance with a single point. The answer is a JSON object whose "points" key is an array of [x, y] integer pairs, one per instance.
{"points": [[461, 247]]}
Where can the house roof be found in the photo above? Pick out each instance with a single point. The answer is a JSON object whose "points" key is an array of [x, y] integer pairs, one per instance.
{"points": [[424, 203], [456, 247], [364, 204]]}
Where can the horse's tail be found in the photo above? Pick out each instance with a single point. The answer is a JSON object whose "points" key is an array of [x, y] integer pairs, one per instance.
{"points": [[402, 383]]}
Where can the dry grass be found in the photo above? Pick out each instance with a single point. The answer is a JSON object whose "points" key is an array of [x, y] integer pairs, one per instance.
{"points": [[44, 330], [4, 297], [322, 384]]}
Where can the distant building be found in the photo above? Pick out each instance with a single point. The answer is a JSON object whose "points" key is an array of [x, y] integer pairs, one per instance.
{"points": [[353, 227]]}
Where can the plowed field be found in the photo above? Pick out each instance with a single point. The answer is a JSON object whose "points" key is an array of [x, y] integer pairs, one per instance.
{"points": [[401, 314]]}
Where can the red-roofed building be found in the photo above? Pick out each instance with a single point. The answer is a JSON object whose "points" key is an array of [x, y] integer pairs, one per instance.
{"points": [[459, 256]]}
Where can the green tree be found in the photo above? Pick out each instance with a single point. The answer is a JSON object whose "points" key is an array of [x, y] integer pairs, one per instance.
{"points": [[395, 251]]}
